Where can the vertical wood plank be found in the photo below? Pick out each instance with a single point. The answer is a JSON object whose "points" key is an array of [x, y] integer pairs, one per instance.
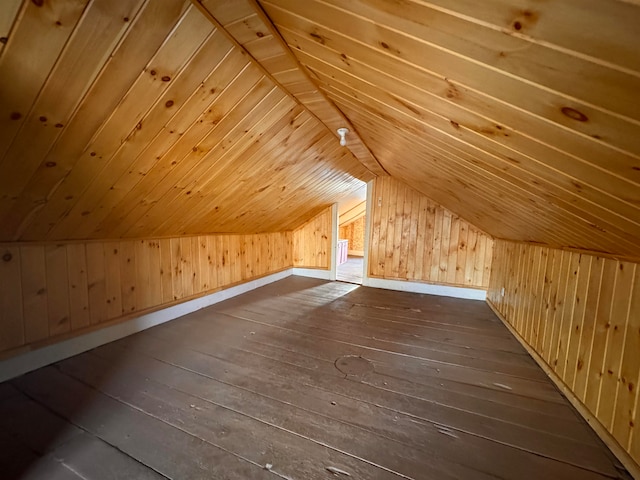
{"points": [[472, 251], [176, 269], [601, 333], [11, 313], [155, 275], [204, 264], [452, 254], [34, 292], [617, 328], [97, 285], [57, 284], [166, 270], [186, 261], [421, 227], [564, 333], [445, 237], [128, 275], [437, 244], [196, 275], [211, 261], [461, 255], [627, 391], [142, 275], [577, 320], [583, 364], [78, 286], [113, 287]]}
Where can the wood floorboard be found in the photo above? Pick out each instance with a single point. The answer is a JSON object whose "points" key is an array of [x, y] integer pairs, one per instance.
{"points": [[302, 375], [530, 440]]}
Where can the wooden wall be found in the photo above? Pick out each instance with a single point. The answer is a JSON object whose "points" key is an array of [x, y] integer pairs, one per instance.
{"points": [[354, 232], [581, 314], [53, 290], [413, 238], [312, 242]]}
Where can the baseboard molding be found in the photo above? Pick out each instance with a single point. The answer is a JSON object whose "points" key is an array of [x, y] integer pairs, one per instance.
{"points": [[313, 273], [32, 360], [621, 454], [430, 289]]}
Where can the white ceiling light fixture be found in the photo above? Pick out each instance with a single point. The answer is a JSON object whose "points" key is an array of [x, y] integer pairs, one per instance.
{"points": [[343, 136]]}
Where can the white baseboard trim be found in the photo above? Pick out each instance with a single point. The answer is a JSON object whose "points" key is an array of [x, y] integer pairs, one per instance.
{"points": [[415, 287], [313, 273], [26, 362]]}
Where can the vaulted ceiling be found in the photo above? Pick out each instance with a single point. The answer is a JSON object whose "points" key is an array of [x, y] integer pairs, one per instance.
{"points": [[165, 117]]}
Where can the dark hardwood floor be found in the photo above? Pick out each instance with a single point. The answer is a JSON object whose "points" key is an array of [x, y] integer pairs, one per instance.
{"points": [[302, 379]]}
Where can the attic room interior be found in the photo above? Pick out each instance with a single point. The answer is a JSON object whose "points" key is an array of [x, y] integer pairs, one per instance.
{"points": [[184, 182]]}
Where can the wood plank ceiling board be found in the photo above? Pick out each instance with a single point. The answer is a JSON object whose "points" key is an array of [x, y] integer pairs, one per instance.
{"points": [[248, 25], [514, 114], [161, 125]]}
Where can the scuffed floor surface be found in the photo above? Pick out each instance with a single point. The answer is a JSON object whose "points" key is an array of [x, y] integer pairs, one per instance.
{"points": [[302, 379]]}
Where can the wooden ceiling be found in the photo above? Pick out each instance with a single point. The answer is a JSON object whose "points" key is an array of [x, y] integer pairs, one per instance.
{"points": [[521, 116], [141, 118], [166, 117]]}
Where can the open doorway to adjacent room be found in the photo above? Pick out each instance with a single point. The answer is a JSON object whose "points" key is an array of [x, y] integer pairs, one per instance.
{"points": [[351, 237]]}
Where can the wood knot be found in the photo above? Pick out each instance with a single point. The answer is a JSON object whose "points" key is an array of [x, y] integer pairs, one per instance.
{"points": [[169, 103], [38, 3], [50, 164], [574, 114], [166, 78], [15, 116], [3, 40], [7, 257]]}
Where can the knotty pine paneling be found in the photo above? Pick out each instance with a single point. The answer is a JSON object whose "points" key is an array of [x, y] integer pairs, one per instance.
{"points": [[413, 238], [312, 242], [51, 291], [354, 232], [581, 314], [160, 126], [511, 114]]}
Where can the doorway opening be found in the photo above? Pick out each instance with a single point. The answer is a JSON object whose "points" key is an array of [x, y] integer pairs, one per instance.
{"points": [[351, 237]]}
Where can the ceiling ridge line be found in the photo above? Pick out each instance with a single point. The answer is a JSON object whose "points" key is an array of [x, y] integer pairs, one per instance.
{"points": [[255, 61], [278, 37]]}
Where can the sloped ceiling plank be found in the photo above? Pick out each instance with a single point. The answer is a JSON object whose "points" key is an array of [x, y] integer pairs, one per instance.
{"points": [[148, 29], [168, 63], [555, 130], [447, 150], [618, 20], [9, 10], [178, 107], [61, 96], [213, 167], [251, 29], [509, 208], [18, 94], [505, 156], [463, 60], [447, 97], [162, 112]]}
